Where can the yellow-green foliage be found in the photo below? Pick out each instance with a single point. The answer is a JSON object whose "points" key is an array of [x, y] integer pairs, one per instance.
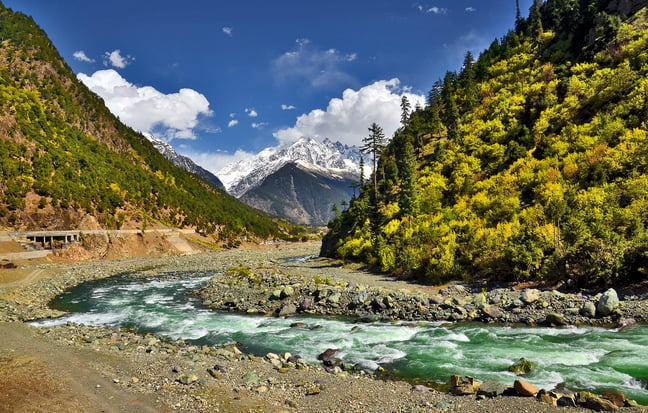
{"points": [[545, 177]]}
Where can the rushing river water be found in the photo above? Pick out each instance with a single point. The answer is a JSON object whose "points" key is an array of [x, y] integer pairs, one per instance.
{"points": [[583, 358]]}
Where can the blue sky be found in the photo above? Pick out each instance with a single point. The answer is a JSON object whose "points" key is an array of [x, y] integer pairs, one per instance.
{"points": [[221, 80]]}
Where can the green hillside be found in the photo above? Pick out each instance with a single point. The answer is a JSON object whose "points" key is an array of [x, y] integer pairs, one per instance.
{"points": [[530, 163], [64, 156]]}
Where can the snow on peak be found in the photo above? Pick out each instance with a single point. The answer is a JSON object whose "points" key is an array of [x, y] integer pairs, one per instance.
{"points": [[241, 176]]}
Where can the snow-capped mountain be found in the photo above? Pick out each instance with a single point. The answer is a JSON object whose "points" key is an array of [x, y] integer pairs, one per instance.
{"points": [[184, 162], [329, 158]]}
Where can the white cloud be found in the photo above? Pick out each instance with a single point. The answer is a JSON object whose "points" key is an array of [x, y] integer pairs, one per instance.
{"points": [[258, 125], [432, 10], [115, 59], [251, 112], [287, 107], [228, 31], [348, 118], [232, 123], [82, 57], [215, 161], [312, 66], [168, 116], [470, 9]]}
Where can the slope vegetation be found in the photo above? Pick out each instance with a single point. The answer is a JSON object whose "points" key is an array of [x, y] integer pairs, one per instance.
{"points": [[528, 164], [64, 157]]}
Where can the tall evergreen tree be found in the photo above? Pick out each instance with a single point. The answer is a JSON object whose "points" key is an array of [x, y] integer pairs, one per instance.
{"points": [[405, 109], [373, 145], [408, 200]]}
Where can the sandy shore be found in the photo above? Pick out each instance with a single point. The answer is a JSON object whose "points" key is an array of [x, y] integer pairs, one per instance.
{"points": [[73, 368]]}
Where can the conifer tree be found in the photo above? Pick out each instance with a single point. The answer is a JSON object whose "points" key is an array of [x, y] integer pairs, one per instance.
{"points": [[374, 144]]}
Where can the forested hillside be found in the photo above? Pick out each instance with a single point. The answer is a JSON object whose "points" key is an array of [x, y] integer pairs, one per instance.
{"points": [[528, 164], [64, 156]]}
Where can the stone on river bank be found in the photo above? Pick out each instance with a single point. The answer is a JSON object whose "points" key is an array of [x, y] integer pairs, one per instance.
{"points": [[608, 302]]}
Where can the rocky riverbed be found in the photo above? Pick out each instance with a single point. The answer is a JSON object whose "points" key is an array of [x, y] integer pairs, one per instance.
{"points": [[182, 377]]}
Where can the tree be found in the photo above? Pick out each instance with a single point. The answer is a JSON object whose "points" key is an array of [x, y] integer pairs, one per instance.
{"points": [[405, 109], [408, 200], [373, 145]]}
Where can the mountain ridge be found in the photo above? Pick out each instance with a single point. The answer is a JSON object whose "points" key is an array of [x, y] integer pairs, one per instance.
{"points": [[241, 176]]}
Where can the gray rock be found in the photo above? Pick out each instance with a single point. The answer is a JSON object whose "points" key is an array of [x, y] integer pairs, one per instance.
{"points": [[287, 291], [492, 311], [480, 300], [287, 309], [556, 319], [530, 295], [588, 310], [334, 298], [251, 378], [608, 302], [491, 388]]}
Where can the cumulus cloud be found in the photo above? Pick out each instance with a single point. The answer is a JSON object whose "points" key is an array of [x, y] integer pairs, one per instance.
{"points": [[232, 123], [228, 31], [348, 118], [251, 112], [168, 116], [287, 107], [258, 125], [115, 59], [470, 9], [312, 66], [82, 57]]}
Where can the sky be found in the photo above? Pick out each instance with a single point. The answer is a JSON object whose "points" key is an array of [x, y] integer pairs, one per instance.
{"points": [[222, 80]]}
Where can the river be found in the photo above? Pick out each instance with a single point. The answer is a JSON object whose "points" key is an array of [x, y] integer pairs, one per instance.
{"points": [[584, 358]]}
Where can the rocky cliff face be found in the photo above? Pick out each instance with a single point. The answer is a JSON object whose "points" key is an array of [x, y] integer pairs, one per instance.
{"points": [[302, 193], [184, 162]]}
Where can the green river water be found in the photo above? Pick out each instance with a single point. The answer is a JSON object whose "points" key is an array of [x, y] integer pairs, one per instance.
{"points": [[584, 358]]}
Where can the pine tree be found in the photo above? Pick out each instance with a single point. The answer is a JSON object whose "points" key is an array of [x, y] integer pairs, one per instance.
{"points": [[408, 200], [405, 110], [374, 144]]}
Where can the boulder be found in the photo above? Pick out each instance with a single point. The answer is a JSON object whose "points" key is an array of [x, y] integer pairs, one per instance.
{"points": [[556, 319], [492, 311], [328, 354], [287, 309], [463, 385], [521, 367], [548, 398], [480, 300], [306, 304], [618, 398], [608, 302], [525, 389], [593, 402], [491, 388], [530, 295], [287, 291], [588, 310]]}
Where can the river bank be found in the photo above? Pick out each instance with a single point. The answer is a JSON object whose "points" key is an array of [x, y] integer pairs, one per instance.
{"points": [[177, 376]]}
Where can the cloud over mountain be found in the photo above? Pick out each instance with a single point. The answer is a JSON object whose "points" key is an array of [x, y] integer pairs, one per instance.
{"points": [[171, 116], [348, 118]]}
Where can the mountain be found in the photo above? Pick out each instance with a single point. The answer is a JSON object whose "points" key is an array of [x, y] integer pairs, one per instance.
{"points": [[66, 161], [244, 175], [183, 162], [529, 164], [300, 182], [302, 193]]}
